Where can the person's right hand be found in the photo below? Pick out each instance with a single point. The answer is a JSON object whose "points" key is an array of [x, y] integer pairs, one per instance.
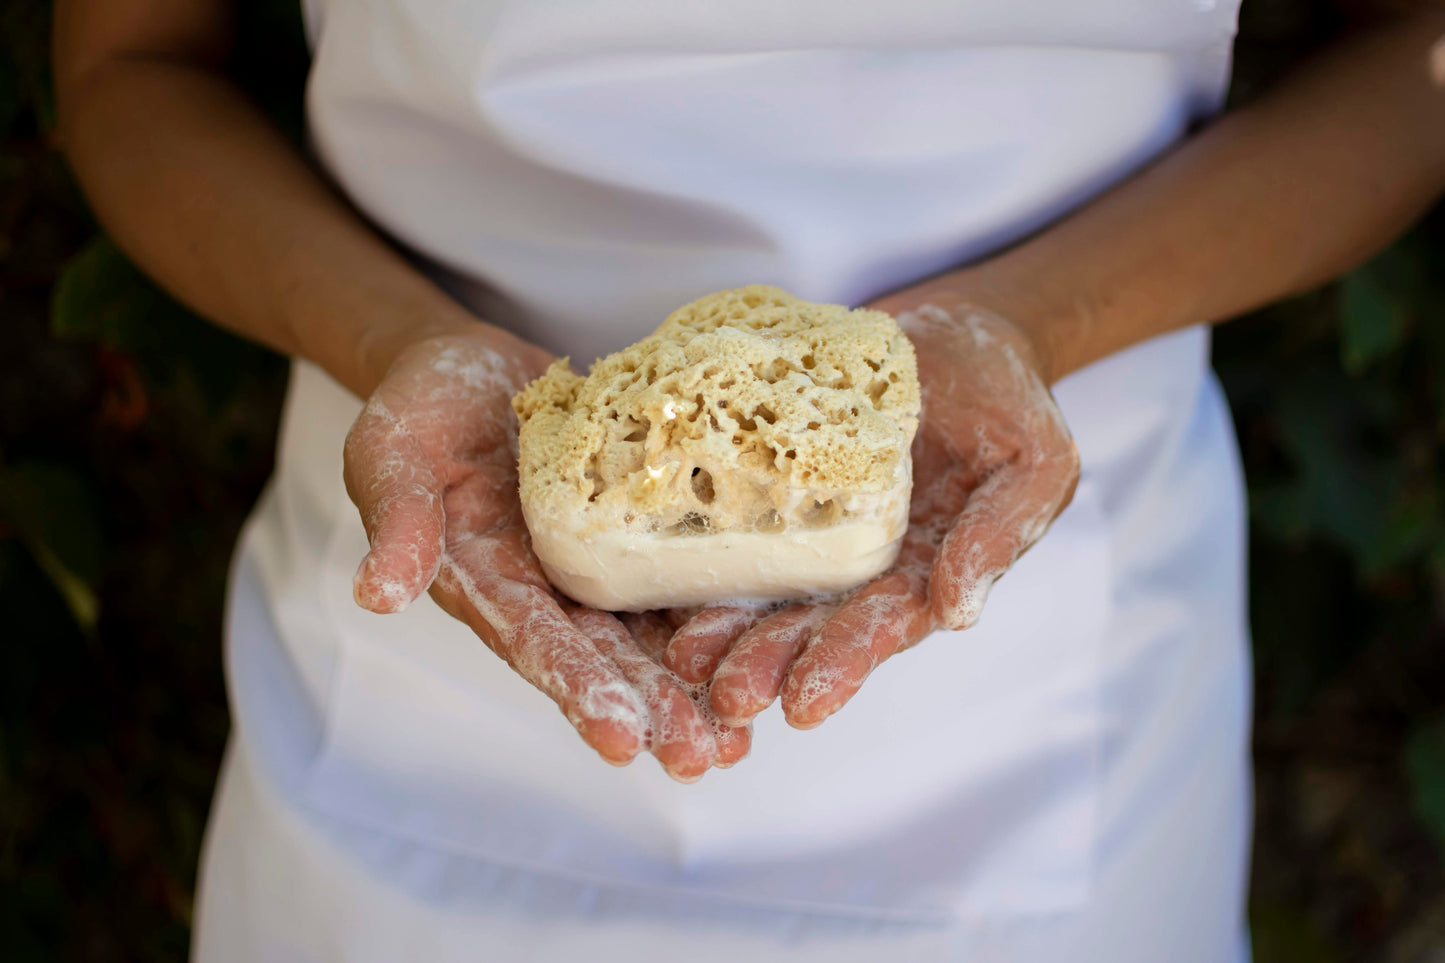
{"points": [[431, 464]]}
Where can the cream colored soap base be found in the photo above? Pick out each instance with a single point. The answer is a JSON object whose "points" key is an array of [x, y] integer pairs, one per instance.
{"points": [[621, 571], [754, 447]]}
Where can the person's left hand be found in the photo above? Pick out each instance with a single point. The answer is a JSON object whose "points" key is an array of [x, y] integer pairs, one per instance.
{"points": [[993, 465]]}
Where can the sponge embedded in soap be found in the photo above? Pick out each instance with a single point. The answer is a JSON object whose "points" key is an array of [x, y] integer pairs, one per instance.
{"points": [[754, 447]]}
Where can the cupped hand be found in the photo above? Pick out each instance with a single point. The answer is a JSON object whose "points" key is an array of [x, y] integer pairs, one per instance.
{"points": [[993, 465], [431, 464]]}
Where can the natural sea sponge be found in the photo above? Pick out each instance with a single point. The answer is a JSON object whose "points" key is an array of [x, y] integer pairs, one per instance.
{"points": [[747, 413]]}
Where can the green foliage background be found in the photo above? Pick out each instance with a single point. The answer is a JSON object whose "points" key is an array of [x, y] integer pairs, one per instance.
{"points": [[133, 439]]}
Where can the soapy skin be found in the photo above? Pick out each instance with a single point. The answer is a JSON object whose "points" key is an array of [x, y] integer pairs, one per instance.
{"points": [[993, 465], [431, 465]]}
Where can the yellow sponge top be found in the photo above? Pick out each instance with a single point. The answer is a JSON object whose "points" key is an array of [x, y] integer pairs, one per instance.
{"points": [[747, 409]]}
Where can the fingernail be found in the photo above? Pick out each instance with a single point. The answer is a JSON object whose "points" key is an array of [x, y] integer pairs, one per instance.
{"points": [[685, 780], [804, 726], [382, 596]]}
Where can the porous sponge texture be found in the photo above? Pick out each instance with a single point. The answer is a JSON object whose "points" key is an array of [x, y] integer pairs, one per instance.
{"points": [[747, 409]]}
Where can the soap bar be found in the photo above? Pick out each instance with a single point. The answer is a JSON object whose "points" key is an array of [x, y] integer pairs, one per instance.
{"points": [[754, 447]]}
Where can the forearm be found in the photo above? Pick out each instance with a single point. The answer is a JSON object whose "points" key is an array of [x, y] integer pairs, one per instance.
{"points": [[1271, 200], [204, 195]]}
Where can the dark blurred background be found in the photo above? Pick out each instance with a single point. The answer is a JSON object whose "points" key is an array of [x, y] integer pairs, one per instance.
{"points": [[134, 439]]}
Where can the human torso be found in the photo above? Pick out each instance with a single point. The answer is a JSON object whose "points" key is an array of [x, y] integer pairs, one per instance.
{"points": [[575, 169]]}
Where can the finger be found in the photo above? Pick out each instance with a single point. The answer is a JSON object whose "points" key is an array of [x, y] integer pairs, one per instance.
{"points": [[1005, 515], [699, 645], [734, 742], [400, 500], [677, 618], [751, 676], [650, 631], [521, 622], [888, 614], [681, 737]]}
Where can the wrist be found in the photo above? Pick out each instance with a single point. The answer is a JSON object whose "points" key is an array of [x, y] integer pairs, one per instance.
{"points": [[1051, 329], [462, 338], [359, 352], [378, 344]]}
